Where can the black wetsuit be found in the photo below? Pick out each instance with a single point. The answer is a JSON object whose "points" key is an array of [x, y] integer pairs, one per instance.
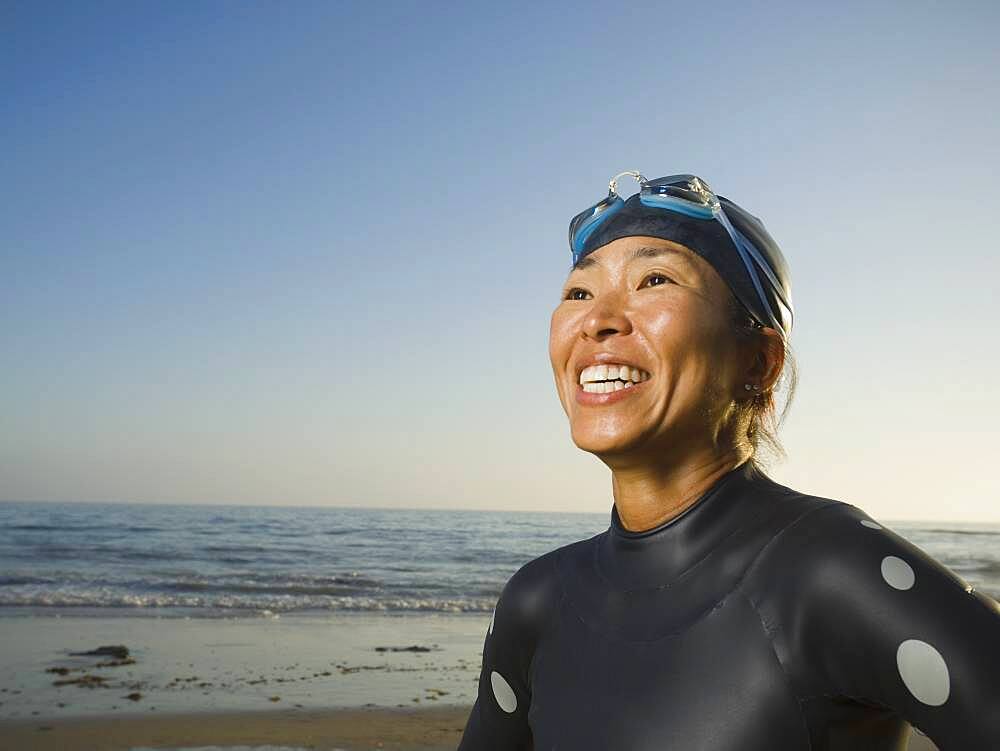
{"points": [[758, 619]]}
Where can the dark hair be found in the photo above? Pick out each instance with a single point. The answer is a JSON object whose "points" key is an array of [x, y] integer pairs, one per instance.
{"points": [[759, 416]]}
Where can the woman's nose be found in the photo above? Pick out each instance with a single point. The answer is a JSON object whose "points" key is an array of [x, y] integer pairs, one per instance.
{"points": [[606, 317]]}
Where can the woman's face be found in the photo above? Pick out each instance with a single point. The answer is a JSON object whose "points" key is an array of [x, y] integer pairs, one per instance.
{"points": [[655, 306]]}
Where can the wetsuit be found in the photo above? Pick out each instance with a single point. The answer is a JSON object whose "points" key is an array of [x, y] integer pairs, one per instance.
{"points": [[759, 618]]}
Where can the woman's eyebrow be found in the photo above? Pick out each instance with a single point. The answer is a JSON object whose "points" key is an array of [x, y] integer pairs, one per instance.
{"points": [[644, 251], [650, 251], [585, 263]]}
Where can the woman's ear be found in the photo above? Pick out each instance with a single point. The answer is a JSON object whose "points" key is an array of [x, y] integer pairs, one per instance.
{"points": [[768, 359]]}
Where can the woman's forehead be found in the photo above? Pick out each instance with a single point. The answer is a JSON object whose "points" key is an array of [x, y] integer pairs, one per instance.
{"points": [[626, 250]]}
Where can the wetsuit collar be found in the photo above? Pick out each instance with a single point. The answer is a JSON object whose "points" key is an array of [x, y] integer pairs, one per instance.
{"points": [[655, 556]]}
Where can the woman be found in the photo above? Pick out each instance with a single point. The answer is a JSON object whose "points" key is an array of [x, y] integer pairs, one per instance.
{"points": [[720, 610]]}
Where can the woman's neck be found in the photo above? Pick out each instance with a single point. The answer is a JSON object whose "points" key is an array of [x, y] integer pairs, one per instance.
{"points": [[647, 495]]}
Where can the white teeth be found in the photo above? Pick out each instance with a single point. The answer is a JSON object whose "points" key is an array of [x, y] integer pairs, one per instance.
{"points": [[626, 373], [606, 387]]}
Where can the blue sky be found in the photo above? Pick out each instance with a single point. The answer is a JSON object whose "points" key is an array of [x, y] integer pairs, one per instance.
{"points": [[306, 253]]}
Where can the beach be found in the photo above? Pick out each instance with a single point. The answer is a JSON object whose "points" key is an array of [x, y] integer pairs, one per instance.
{"points": [[430, 729], [244, 664], [346, 681]]}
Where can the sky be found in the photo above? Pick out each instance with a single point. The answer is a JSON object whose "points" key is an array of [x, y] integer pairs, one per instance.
{"points": [[306, 253]]}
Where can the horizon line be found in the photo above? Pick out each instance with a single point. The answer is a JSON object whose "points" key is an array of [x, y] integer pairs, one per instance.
{"points": [[408, 508]]}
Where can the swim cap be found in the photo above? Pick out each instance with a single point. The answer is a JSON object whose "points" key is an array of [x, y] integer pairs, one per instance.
{"points": [[710, 240]]}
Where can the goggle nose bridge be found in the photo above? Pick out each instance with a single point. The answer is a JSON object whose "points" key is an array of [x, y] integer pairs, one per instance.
{"points": [[613, 185]]}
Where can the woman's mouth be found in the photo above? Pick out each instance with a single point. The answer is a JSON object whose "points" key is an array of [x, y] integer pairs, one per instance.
{"points": [[605, 384]]}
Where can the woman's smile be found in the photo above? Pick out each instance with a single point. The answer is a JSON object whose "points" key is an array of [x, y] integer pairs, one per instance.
{"points": [[618, 391], [608, 383]]}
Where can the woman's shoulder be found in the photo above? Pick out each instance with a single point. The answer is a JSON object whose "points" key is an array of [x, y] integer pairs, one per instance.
{"points": [[534, 590], [812, 526], [833, 548], [814, 529]]}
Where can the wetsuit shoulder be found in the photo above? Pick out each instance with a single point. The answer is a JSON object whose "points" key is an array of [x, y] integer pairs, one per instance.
{"points": [[526, 606], [528, 598], [858, 613]]}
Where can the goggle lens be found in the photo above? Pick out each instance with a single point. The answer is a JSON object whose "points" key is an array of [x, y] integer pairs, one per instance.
{"points": [[685, 194], [587, 222]]}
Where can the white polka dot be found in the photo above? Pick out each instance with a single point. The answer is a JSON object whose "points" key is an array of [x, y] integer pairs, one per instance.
{"points": [[490, 629], [897, 572], [924, 672], [503, 692], [870, 524]]}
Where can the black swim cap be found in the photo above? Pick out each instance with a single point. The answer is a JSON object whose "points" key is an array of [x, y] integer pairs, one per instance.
{"points": [[710, 240]]}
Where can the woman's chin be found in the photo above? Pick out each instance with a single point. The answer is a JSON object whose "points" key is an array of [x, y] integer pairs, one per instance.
{"points": [[605, 442]]}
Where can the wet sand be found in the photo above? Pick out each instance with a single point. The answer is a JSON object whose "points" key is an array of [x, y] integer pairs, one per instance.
{"points": [[430, 729], [242, 665]]}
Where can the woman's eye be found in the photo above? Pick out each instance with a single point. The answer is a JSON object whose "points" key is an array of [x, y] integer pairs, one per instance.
{"points": [[663, 279], [576, 294]]}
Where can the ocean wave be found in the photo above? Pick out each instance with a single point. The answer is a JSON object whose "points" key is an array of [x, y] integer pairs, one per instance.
{"points": [[210, 605], [264, 589]]}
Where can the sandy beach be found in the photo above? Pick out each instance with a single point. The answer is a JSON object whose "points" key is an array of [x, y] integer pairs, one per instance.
{"points": [[343, 681], [431, 729], [237, 664]]}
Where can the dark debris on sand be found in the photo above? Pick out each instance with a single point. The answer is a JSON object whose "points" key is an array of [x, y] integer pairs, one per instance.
{"points": [[84, 681], [116, 663], [119, 652]]}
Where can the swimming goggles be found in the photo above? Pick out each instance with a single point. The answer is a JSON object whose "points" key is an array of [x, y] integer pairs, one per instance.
{"points": [[684, 194]]}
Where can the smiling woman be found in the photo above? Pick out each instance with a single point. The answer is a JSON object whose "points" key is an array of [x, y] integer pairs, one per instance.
{"points": [[720, 610]]}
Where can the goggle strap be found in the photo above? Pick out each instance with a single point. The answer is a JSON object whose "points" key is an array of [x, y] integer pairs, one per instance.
{"points": [[764, 266], [721, 215]]}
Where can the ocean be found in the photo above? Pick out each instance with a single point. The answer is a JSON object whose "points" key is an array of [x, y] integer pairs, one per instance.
{"points": [[210, 561]]}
